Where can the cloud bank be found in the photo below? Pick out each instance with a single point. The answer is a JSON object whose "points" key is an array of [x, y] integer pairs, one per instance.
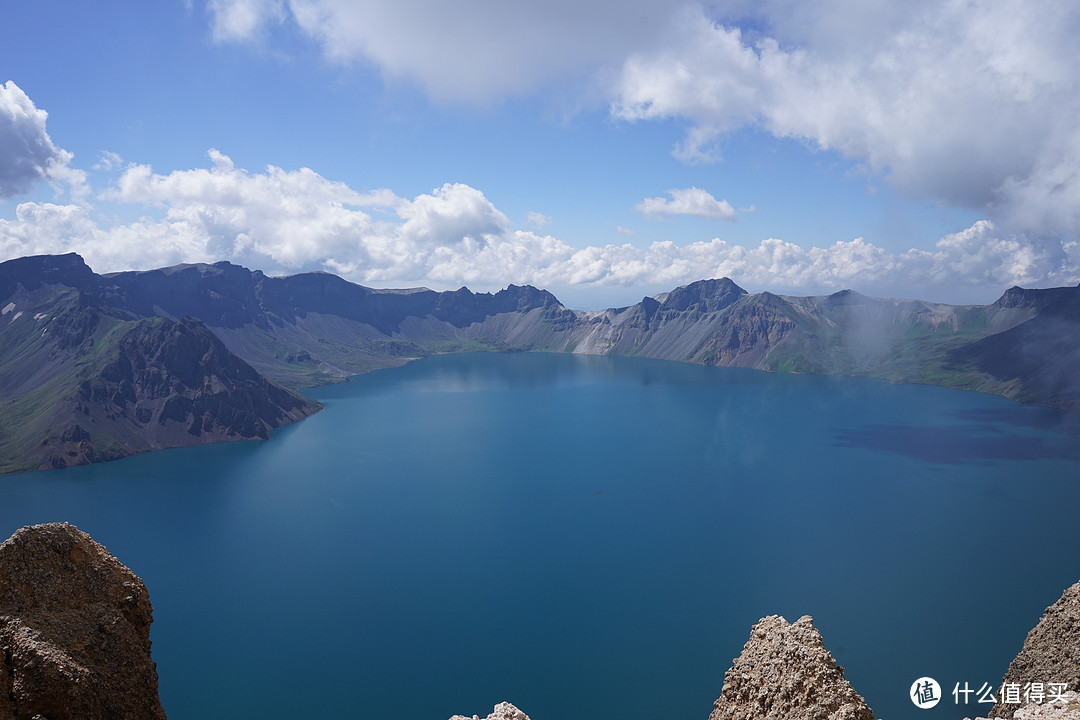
{"points": [[296, 220]]}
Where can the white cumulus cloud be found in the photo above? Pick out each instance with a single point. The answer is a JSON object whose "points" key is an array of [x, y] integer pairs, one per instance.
{"points": [[971, 104], [687, 201], [27, 153]]}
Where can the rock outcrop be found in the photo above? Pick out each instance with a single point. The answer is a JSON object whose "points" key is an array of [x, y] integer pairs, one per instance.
{"points": [[785, 672], [502, 711], [1068, 708], [74, 631], [1051, 652]]}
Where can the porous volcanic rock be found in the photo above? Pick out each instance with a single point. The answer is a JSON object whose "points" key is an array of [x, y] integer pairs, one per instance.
{"points": [[502, 711], [74, 631], [786, 673], [1056, 710], [1051, 652], [1068, 710]]}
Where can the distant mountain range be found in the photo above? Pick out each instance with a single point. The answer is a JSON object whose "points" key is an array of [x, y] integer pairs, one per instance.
{"points": [[95, 367]]}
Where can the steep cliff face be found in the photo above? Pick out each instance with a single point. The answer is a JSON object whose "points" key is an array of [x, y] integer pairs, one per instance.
{"points": [[1051, 651], [74, 631], [785, 671], [748, 334], [1036, 359], [169, 384], [83, 380], [305, 329]]}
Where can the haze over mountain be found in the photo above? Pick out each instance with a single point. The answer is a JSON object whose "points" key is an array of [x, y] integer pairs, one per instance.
{"points": [[94, 367]]}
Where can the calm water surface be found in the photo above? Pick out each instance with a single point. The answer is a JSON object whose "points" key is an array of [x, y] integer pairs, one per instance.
{"points": [[586, 537]]}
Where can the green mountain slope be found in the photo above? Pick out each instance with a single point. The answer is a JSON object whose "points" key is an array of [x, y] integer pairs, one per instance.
{"points": [[304, 330], [81, 381]]}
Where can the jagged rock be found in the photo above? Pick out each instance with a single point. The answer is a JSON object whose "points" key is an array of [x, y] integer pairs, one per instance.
{"points": [[785, 672], [1068, 710], [74, 631], [502, 711], [1051, 652]]}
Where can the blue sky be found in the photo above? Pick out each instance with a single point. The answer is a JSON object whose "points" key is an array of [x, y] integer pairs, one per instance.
{"points": [[602, 149]]}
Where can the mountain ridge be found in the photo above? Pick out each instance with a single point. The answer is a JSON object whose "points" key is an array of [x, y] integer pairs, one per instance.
{"points": [[83, 379], [75, 345]]}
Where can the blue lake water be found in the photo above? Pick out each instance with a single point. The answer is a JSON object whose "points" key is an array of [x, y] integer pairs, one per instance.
{"points": [[587, 537]]}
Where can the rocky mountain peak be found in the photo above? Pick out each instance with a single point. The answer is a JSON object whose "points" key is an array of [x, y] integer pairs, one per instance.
{"points": [[33, 272], [847, 297], [703, 296], [785, 671], [1036, 298], [522, 298]]}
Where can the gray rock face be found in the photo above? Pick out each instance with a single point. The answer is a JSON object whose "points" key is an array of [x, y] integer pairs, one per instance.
{"points": [[1051, 652], [74, 631], [785, 672], [1068, 709], [502, 711]]}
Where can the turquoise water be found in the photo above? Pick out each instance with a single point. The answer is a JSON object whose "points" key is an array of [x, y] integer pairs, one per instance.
{"points": [[586, 537]]}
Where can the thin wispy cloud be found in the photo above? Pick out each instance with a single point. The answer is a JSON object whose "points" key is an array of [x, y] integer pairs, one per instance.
{"points": [[467, 51], [538, 221], [233, 20]]}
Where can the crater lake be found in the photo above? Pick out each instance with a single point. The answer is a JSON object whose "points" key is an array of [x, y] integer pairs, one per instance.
{"points": [[586, 537]]}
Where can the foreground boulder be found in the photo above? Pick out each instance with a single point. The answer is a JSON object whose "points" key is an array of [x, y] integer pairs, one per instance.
{"points": [[1051, 652], [74, 631], [786, 672]]}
